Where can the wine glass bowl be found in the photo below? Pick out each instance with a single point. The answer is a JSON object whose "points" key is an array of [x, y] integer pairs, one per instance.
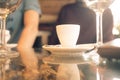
{"points": [[99, 5], [8, 6]]}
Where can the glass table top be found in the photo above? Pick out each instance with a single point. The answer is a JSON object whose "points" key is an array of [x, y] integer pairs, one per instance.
{"points": [[109, 68]]}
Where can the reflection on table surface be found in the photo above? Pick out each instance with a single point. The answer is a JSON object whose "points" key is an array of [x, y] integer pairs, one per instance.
{"points": [[109, 69]]}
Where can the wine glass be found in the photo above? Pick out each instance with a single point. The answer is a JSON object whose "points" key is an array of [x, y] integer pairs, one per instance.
{"points": [[6, 7], [98, 6]]}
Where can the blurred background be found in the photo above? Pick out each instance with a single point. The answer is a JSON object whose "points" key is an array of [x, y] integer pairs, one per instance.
{"points": [[51, 9]]}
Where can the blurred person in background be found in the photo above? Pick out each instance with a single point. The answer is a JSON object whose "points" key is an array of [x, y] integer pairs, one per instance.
{"points": [[80, 13]]}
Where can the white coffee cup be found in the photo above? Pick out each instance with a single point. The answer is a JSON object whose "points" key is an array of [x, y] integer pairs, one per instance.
{"points": [[68, 34]]}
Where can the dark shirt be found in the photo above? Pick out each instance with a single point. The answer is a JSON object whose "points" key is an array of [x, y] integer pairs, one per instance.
{"points": [[79, 13]]}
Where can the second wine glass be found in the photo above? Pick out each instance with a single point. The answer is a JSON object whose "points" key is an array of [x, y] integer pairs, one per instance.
{"points": [[99, 6]]}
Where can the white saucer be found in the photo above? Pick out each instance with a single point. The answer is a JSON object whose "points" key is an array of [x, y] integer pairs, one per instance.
{"points": [[11, 45], [70, 55], [11, 51], [78, 48]]}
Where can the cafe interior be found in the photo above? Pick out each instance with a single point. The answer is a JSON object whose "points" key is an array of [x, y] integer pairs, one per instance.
{"points": [[86, 61], [50, 14]]}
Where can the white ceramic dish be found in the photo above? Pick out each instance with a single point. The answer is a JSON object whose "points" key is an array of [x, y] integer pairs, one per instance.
{"points": [[11, 45], [12, 51], [77, 48], [70, 55]]}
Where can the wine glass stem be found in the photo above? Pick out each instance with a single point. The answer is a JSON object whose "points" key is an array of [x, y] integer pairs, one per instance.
{"points": [[3, 26], [3, 72], [99, 33], [98, 74]]}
